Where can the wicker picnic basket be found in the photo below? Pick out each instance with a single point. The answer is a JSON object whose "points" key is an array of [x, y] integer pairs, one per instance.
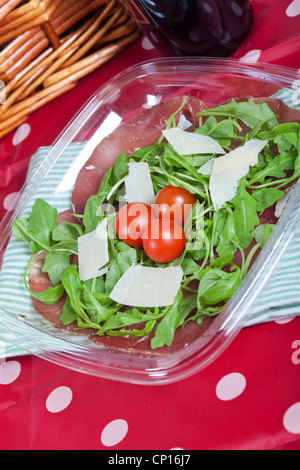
{"points": [[46, 46]]}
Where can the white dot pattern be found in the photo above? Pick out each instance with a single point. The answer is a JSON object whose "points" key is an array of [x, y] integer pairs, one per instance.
{"points": [[231, 386], [291, 419], [114, 432], [59, 399], [293, 9], [9, 372], [21, 134]]}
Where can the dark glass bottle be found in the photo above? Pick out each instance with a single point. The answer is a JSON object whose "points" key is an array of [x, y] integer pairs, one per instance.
{"points": [[212, 28]]}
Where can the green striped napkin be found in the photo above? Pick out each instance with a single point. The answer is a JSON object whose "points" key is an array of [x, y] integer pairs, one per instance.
{"points": [[281, 293], [16, 337]]}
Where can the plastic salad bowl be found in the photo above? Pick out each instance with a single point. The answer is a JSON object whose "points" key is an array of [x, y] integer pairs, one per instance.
{"points": [[52, 175]]}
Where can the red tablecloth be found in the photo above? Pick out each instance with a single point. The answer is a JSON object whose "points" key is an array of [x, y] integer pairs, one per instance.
{"points": [[249, 398]]}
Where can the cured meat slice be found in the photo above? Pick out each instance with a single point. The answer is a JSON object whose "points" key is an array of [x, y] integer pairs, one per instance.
{"points": [[141, 131], [129, 137]]}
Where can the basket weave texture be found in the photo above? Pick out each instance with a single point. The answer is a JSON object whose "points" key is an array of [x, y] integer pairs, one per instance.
{"points": [[46, 46]]}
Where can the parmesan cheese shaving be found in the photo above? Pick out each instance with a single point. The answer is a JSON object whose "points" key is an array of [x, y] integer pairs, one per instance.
{"points": [[183, 123], [228, 169], [206, 169], [187, 143], [93, 252], [281, 204], [143, 286], [138, 184]]}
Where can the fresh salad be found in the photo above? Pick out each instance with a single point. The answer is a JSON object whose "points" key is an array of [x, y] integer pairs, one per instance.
{"points": [[174, 227]]}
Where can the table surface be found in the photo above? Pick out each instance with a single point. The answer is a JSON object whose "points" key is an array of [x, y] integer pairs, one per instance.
{"points": [[249, 398]]}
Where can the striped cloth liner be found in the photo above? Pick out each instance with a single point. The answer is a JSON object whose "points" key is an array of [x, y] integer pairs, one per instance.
{"points": [[281, 294], [16, 336]]}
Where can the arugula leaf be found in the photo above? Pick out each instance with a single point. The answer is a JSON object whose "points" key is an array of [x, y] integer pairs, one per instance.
{"points": [[166, 328], [266, 197], [285, 136], [262, 233], [217, 286], [72, 284], [68, 314], [120, 167], [21, 231], [96, 309], [276, 167], [135, 333], [112, 276], [252, 114], [37, 229], [222, 131], [227, 241], [115, 324], [57, 259], [244, 215], [49, 296], [73, 287], [42, 221], [187, 306], [55, 264], [91, 216], [105, 182], [67, 231]]}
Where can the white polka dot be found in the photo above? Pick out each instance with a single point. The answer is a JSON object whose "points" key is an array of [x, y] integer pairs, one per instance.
{"points": [[9, 372], [59, 399], [147, 44], [251, 56], [230, 386], [291, 419], [114, 432], [293, 9], [21, 134], [9, 200], [283, 321]]}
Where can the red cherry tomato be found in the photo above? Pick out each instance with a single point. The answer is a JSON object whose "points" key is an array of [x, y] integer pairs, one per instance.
{"points": [[130, 222], [174, 202], [163, 240]]}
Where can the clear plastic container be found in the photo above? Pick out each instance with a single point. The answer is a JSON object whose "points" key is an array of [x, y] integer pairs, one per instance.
{"points": [[213, 81]]}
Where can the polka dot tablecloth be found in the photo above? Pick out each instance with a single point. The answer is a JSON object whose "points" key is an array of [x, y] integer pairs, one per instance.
{"points": [[249, 398]]}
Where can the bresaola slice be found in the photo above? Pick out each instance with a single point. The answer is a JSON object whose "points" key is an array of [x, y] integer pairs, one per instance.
{"points": [[141, 131], [102, 159]]}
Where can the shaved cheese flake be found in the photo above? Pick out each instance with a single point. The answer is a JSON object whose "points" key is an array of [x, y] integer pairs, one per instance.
{"points": [[206, 169], [230, 168], [93, 252], [281, 204], [187, 143], [138, 184], [183, 123], [142, 286]]}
